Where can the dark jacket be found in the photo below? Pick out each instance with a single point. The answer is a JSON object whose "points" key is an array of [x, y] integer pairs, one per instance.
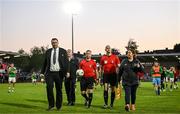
{"points": [[63, 61], [73, 65], [128, 72]]}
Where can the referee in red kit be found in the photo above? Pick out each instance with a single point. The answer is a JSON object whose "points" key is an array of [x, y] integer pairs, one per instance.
{"points": [[109, 65], [88, 65]]}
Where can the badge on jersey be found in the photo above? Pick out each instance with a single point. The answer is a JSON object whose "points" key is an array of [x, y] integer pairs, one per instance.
{"points": [[112, 61], [105, 62]]}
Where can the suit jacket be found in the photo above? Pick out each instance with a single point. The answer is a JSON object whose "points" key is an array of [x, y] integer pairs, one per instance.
{"points": [[73, 65], [63, 61]]}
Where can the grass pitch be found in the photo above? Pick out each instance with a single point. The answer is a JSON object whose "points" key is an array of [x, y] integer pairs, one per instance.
{"points": [[29, 98]]}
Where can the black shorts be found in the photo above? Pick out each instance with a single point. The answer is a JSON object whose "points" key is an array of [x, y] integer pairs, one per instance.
{"points": [[110, 79], [87, 83]]}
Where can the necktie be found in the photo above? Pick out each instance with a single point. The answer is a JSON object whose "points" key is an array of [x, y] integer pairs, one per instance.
{"points": [[54, 56]]}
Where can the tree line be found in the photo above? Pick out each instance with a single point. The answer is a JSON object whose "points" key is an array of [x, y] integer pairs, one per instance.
{"points": [[34, 60]]}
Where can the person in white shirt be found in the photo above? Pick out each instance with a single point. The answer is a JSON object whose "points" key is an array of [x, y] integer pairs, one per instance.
{"points": [[54, 69]]}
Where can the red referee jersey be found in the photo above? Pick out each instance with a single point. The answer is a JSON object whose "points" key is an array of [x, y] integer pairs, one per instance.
{"points": [[89, 68], [176, 74], [109, 63]]}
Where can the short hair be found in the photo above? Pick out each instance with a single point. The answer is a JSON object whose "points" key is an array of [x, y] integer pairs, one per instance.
{"points": [[11, 63], [108, 46], [54, 39], [88, 51], [69, 50], [156, 62]]}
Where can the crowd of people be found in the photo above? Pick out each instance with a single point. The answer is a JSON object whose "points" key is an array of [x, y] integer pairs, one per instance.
{"points": [[162, 77], [60, 65], [3, 71]]}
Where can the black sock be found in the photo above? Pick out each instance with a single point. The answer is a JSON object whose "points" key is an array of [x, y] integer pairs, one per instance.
{"points": [[85, 96], [106, 97], [162, 87], [175, 84], [90, 98], [171, 86], [158, 91], [112, 97]]}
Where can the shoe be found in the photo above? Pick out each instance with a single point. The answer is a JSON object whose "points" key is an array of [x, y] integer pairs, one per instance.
{"points": [[59, 108], [49, 108], [69, 103], [111, 106], [127, 108], [105, 106], [133, 107], [72, 103], [86, 103], [88, 106]]}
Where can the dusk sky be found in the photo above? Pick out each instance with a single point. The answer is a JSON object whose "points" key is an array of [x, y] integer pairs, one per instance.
{"points": [[154, 24]]}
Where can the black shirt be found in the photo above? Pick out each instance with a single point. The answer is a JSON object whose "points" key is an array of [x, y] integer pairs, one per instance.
{"points": [[73, 65], [128, 72]]}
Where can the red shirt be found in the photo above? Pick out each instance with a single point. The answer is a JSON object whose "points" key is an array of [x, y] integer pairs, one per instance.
{"points": [[89, 68], [176, 74], [109, 63], [140, 74]]}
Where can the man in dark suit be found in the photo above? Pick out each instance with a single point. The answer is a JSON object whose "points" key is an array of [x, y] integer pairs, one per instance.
{"points": [[70, 78], [54, 68]]}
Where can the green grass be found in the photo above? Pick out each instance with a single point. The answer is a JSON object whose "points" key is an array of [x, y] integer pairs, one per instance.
{"points": [[30, 98]]}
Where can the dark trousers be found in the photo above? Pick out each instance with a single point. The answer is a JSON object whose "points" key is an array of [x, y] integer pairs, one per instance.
{"points": [[70, 90], [130, 93], [51, 78]]}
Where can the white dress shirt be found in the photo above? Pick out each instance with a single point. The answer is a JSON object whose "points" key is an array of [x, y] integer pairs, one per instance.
{"points": [[56, 66]]}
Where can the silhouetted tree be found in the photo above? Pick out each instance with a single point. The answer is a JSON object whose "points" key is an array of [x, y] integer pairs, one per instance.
{"points": [[37, 57], [177, 47], [132, 45], [21, 51], [115, 51], [22, 61]]}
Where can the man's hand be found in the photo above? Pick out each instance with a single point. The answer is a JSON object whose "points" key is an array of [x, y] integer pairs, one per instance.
{"points": [[120, 82], [67, 75]]}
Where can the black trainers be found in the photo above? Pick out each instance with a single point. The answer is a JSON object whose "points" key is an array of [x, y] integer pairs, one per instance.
{"points": [[105, 106], [49, 108], [58, 109], [72, 103], [88, 106], [86, 103], [69, 103], [111, 106]]}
